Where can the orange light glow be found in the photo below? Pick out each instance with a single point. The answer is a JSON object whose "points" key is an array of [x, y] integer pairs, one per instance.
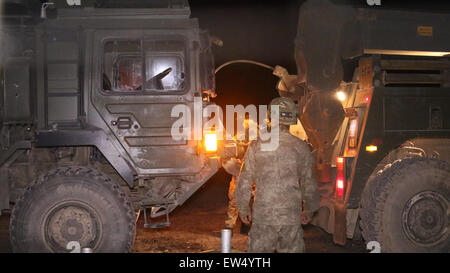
{"points": [[371, 148], [211, 142], [341, 95]]}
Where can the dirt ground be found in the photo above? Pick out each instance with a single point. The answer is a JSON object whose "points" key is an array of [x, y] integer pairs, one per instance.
{"points": [[195, 227]]}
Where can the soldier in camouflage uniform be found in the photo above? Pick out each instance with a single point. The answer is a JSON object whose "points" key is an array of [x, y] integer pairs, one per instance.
{"points": [[283, 179], [232, 211], [232, 166]]}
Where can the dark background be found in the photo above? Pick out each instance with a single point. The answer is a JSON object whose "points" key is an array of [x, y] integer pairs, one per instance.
{"points": [[259, 30], [262, 31], [265, 31]]}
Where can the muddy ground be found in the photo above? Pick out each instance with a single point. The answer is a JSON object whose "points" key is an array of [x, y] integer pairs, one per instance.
{"points": [[195, 227]]}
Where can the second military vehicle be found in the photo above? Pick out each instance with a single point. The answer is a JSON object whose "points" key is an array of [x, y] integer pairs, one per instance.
{"points": [[383, 137]]}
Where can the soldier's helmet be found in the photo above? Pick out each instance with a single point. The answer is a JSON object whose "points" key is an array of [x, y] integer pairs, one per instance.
{"points": [[287, 110]]}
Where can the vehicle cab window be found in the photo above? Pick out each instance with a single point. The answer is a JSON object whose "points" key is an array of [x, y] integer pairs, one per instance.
{"points": [[122, 67], [162, 61], [164, 65]]}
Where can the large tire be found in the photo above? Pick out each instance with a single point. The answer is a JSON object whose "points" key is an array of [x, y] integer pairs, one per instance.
{"points": [[406, 208], [72, 204]]}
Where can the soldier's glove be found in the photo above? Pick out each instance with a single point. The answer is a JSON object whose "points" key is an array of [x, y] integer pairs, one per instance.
{"points": [[232, 166], [306, 218], [246, 218]]}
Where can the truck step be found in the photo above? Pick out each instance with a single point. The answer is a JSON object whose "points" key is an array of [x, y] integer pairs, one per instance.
{"points": [[164, 204]]}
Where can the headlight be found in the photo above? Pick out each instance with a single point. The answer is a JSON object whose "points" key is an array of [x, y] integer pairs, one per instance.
{"points": [[341, 95], [211, 142]]}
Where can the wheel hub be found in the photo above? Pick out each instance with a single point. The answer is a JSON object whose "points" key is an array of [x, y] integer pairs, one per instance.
{"points": [[71, 222], [425, 218]]}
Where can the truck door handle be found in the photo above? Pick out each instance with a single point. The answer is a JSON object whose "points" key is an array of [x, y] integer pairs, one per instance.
{"points": [[122, 123]]}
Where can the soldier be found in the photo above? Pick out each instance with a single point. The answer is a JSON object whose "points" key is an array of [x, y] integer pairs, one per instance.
{"points": [[283, 179], [130, 71], [232, 166], [232, 211]]}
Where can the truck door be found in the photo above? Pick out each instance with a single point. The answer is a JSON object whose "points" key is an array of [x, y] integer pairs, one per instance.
{"points": [[141, 76]]}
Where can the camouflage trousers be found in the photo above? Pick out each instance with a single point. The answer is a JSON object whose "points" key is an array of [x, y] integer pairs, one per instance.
{"points": [[232, 211], [280, 238]]}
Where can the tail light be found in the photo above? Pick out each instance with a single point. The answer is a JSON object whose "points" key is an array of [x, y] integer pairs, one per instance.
{"points": [[340, 178], [211, 142]]}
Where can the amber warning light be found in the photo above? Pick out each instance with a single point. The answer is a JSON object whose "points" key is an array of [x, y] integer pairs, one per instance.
{"points": [[211, 142], [371, 148]]}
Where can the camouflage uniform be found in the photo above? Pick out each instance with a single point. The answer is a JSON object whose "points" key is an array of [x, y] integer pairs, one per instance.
{"points": [[276, 223], [232, 212], [232, 166]]}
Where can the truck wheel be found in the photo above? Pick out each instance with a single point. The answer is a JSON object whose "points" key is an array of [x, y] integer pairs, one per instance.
{"points": [[72, 204], [406, 207]]}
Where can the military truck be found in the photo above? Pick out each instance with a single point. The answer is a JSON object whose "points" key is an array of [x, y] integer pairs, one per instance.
{"points": [[86, 99], [382, 138]]}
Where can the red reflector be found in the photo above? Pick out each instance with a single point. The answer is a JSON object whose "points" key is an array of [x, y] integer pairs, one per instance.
{"points": [[340, 178], [366, 99], [339, 188]]}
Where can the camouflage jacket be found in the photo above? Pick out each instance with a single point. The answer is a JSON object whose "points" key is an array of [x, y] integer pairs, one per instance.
{"points": [[279, 194]]}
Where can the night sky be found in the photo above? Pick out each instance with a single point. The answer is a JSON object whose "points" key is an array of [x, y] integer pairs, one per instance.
{"points": [[262, 31], [265, 31]]}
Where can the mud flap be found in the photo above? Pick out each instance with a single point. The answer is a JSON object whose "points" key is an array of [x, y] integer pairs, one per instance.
{"points": [[340, 225]]}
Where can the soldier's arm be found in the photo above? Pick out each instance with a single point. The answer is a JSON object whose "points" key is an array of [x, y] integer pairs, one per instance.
{"points": [[309, 187], [244, 183]]}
